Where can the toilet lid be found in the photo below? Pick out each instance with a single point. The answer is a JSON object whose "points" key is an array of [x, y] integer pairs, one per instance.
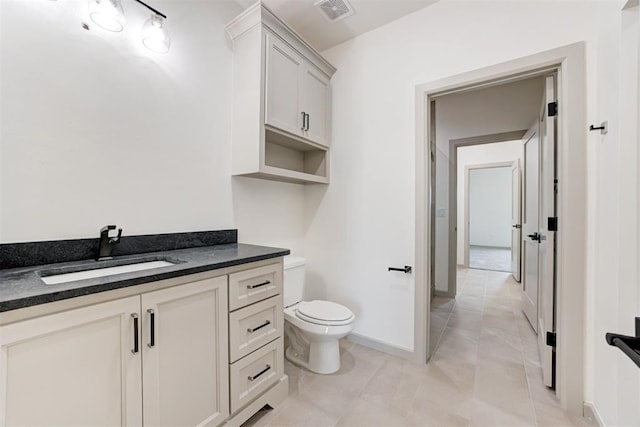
{"points": [[324, 312]]}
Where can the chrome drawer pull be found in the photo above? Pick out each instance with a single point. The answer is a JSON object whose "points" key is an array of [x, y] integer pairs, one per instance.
{"points": [[252, 378], [252, 330], [266, 282]]}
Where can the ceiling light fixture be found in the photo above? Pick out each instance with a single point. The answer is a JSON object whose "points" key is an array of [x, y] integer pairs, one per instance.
{"points": [[155, 36], [109, 14]]}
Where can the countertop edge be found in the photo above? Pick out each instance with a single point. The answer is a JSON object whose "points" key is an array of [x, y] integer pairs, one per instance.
{"points": [[35, 300]]}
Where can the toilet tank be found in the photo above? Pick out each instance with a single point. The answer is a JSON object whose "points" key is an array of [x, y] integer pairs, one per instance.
{"points": [[293, 280]]}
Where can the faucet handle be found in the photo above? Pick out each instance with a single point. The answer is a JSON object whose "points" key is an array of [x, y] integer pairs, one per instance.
{"points": [[106, 228], [117, 238]]}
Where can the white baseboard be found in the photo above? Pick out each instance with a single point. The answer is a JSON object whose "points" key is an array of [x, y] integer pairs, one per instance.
{"points": [[384, 347], [444, 294], [590, 411]]}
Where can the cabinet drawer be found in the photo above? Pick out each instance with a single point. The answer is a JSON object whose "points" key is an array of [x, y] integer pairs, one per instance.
{"points": [[249, 286], [251, 376], [252, 327]]}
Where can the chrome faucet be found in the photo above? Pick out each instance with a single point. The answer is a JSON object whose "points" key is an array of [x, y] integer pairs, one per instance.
{"points": [[107, 243]]}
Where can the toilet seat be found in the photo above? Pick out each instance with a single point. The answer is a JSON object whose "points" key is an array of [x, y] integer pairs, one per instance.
{"points": [[324, 313]]}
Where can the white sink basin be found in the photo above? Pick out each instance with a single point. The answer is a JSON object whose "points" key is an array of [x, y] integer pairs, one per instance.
{"points": [[102, 272]]}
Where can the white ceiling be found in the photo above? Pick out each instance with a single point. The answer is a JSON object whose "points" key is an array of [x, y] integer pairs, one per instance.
{"points": [[311, 24]]}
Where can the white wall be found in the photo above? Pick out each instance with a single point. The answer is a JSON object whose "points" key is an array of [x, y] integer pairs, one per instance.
{"points": [[490, 207], [504, 108], [96, 129], [499, 152], [364, 221], [614, 285]]}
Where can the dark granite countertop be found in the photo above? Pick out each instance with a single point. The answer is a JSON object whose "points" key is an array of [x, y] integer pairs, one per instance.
{"points": [[23, 287]]}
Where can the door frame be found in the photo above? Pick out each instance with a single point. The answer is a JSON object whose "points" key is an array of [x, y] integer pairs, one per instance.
{"points": [[570, 63], [454, 144], [467, 169]]}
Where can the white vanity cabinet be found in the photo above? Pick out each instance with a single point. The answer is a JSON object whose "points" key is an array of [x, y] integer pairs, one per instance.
{"points": [[158, 356], [282, 101], [93, 365], [77, 367], [184, 354]]}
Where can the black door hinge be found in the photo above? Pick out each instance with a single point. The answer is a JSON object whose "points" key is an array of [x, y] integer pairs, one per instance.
{"points": [[552, 223], [551, 339], [552, 109]]}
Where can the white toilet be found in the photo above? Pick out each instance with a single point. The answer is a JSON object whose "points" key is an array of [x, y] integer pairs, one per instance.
{"points": [[312, 327]]}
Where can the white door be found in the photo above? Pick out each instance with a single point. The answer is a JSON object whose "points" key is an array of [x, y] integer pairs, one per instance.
{"points": [[283, 89], [185, 354], [546, 310], [315, 95], [516, 225], [80, 367], [530, 225]]}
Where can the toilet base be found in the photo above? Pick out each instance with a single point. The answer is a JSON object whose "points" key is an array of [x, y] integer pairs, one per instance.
{"points": [[324, 357]]}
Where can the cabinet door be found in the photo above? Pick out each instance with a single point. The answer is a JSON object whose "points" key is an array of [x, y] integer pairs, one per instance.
{"points": [[283, 89], [72, 368], [316, 103], [185, 354]]}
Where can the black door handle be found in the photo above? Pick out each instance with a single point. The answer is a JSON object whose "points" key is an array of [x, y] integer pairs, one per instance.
{"points": [[407, 269], [517, 226], [535, 237]]}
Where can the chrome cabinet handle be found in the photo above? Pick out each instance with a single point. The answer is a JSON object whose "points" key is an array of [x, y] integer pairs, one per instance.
{"points": [[134, 316], [304, 116], [152, 328], [266, 282], [308, 121], [252, 330], [253, 378]]}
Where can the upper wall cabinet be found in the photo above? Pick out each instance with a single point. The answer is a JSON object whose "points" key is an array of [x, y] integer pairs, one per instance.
{"points": [[282, 101], [297, 98]]}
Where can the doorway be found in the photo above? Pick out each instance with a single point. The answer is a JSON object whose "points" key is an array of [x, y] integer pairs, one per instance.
{"points": [[569, 62], [488, 207]]}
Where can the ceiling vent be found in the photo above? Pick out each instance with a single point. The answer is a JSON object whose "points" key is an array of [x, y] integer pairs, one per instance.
{"points": [[334, 10]]}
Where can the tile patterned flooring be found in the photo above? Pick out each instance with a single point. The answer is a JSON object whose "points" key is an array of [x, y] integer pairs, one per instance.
{"points": [[485, 372], [489, 258]]}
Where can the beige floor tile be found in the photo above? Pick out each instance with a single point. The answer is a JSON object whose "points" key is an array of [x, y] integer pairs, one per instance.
{"points": [[485, 414], [485, 372], [497, 345], [332, 400], [299, 412], [449, 384], [366, 414], [434, 414], [469, 320], [502, 386], [299, 378]]}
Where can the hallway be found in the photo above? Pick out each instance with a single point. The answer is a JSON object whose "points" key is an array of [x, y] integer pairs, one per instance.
{"points": [[485, 372], [488, 337], [490, 258]]}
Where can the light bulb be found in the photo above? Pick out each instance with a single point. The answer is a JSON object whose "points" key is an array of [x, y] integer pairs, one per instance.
{"points": [[107, 14], [154, 36]]}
